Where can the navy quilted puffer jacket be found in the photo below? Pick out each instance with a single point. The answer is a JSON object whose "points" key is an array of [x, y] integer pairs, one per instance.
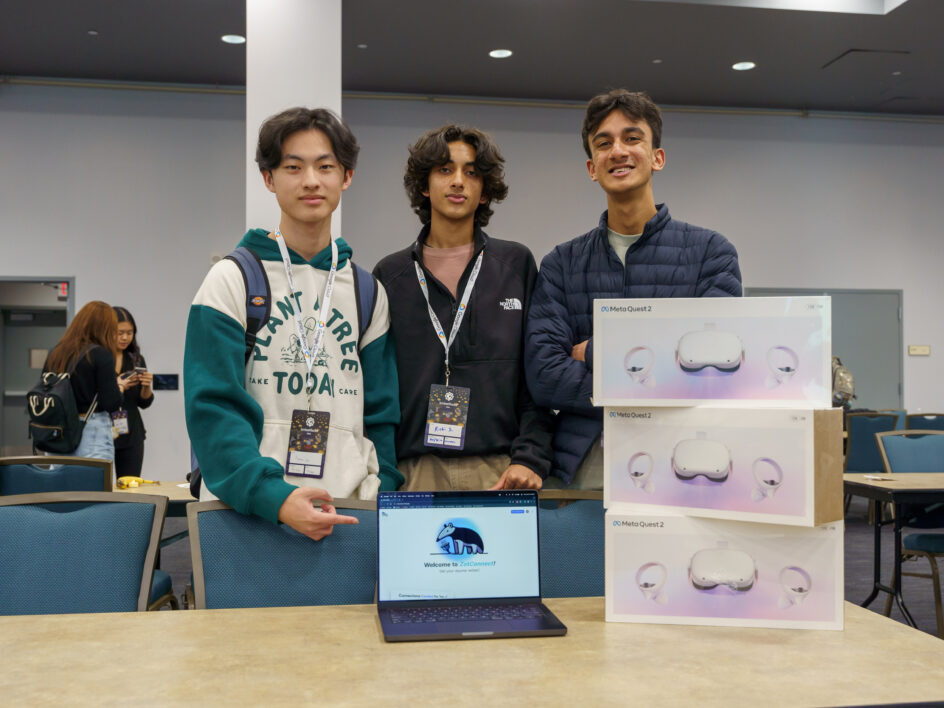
{"points": [[671, 259]]}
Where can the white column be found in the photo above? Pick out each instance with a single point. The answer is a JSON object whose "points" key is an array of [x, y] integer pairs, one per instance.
{"points": [[293, 58]]}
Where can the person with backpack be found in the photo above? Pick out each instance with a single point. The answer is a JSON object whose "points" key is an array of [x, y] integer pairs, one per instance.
{"points": [[127, 425], [286, 417], [87, 353]]}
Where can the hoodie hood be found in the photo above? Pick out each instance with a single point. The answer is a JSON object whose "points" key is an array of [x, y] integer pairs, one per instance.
{"points": [[267, 249]]}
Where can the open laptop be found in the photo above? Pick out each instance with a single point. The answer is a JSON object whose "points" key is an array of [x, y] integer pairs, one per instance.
{"points": [[460, 565]]}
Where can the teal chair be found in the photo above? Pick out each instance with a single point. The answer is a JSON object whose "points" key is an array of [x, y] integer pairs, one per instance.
{"points": [[917, 451], [900, 414], [924, 421], [246, 561], [571, 538], [32, 475], [71, 552], [862, 453], [48, 473]]}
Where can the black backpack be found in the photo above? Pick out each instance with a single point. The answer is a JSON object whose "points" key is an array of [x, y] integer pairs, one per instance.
{"points": [[54, 422], [258, 309]]}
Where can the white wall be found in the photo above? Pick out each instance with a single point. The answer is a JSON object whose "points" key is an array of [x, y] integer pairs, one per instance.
{"points": [[132, 191]]}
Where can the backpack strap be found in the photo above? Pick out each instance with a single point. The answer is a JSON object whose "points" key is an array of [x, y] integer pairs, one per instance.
{"points": [[365, 289], [258, 309], [258, 295]]}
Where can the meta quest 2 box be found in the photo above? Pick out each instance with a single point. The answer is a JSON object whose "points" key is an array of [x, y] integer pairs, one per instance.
{"points": [[778, 466], [690, 570], [754, 351]]}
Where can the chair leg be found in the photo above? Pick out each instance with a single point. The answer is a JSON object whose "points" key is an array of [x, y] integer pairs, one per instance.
{"points": [[936, 584], [890, 598], [168, 599]]}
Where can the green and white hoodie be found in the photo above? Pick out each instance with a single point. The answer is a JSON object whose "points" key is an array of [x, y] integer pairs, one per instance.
{"points": [[238, 414]]}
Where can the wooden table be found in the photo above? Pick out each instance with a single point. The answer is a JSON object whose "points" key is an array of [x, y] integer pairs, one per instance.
{"points": [[894, 489], [335, 656], [177, 496]]}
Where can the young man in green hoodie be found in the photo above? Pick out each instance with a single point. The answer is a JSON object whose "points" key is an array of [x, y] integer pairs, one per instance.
{"points": [[312, 413]]}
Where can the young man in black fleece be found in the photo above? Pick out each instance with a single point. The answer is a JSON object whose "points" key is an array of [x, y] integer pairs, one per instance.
{"points": [[458, 305]]}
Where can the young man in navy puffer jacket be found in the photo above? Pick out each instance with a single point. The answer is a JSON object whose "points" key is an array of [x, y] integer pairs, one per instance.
{"points": [[636, 251]]}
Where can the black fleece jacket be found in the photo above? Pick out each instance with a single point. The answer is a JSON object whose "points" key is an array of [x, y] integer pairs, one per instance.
{"points": [[486, 356]]}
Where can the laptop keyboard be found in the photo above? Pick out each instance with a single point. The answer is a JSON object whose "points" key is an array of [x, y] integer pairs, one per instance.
{"points": [[462, 613]]}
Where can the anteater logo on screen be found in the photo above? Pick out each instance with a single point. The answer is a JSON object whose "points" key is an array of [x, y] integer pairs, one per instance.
{"points": [[459, 537]]}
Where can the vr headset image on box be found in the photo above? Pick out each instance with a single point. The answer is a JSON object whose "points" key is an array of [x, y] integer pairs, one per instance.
{"points": [[711, 567], [700, 456], [698, 350]]}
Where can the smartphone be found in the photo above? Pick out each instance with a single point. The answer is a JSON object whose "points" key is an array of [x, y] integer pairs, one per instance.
{"points": [[140, 370]]}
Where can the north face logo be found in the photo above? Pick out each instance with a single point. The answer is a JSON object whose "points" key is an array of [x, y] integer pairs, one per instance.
{"points": [[510, 303]]}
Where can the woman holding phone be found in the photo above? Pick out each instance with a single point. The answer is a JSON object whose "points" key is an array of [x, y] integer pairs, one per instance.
{"points": [[137, 380]]}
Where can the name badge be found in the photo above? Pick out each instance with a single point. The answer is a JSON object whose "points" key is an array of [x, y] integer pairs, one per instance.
{"points": [[119, 423], [307, 444], [446, 417]]}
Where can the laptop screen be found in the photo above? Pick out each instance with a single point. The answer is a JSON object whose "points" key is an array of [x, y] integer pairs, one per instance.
{"points": [[457, 545]]}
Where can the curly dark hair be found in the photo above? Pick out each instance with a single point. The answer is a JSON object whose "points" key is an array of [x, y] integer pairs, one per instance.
{"points": [[276, 129], [432, 151], [635, 104]]}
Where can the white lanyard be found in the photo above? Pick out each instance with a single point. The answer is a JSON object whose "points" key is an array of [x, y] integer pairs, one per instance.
{"points": [[460, 312], [310, 350]]}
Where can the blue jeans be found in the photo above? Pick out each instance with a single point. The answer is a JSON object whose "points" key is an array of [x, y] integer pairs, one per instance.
{"points": [[97, 440]]}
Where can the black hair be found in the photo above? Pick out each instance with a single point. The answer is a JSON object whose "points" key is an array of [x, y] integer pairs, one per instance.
{"points": [[634, 104], [132, 348], [276, 130], [432, 151]]}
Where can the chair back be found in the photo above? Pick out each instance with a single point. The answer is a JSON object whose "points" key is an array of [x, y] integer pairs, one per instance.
{"points": [[924, 421], [900, 414], [69, 552], [912, 450], [571, 540], [246, 561], [47, 473], [862, 453]]}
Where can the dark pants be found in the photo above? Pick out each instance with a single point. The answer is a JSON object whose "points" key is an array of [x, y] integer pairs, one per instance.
{"points": [[128, 461]]}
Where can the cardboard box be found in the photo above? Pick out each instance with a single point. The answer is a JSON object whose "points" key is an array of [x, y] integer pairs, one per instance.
{"points": [[688, 570], [780, 466], [765, 351]]}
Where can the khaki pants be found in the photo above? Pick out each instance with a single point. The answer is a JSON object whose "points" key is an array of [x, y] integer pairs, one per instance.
{"points": [[429, 473]]}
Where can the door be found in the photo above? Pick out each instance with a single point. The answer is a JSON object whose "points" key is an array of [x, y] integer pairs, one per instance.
{"points": [[33, 315]]}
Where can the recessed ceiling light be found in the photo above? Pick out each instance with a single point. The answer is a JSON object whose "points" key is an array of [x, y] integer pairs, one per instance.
{"points": [[656, 61], [93, 33], [233, 39], [743, 66], [362, 46], [500, 53]]}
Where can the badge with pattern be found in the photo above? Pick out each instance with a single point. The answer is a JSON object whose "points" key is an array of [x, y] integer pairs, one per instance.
{"points": [[307, 444], [446, 417]]}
